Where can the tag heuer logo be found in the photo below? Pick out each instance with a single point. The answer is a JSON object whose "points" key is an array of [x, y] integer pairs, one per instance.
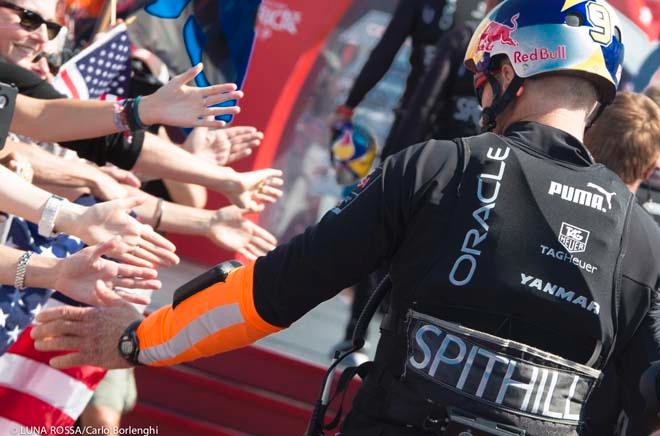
{"points": [[574, 239]]}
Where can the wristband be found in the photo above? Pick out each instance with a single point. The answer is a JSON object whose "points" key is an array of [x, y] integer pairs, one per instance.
{"points": [[119, 117], [159, 214], [49, 214], [136, 113], [21, 267]]}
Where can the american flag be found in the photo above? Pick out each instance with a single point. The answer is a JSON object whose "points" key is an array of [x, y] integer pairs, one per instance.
{"points": [[101, 71], [32, 394]]}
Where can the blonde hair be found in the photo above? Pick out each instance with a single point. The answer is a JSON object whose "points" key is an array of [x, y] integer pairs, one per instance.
{"points": [[626, 137], [653, 92]]}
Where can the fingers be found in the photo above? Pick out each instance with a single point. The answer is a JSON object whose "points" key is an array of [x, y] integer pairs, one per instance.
{"points": [[130, 259], [265, 235], [136, 272], [104, 295], [247, 139], [223, 88], [58, 327], [237, 131], [64, 313], [262, 246], [134, 298], [189, 75], [130, 283], [68, 361], [64, 343], [153, 237], [107, 247], [236, 156], [216, 111], [272, 175], [213, 99]]}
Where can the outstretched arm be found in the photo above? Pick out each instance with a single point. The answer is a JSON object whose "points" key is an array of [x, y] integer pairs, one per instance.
{"points": [[174, 104], [270, 294]]}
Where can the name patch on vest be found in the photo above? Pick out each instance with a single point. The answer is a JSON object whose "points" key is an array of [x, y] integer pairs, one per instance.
{"points": [[508, 375]]}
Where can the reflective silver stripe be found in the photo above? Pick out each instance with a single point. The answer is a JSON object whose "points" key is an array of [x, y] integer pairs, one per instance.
{"points": [[205, 325]]}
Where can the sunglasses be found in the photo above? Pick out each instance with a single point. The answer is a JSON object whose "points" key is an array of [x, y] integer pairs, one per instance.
{"points": [[32, 21]]}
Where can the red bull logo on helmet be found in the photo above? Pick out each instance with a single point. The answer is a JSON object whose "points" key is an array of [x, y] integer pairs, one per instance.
{"points": [[498, 32], [540, 54]]}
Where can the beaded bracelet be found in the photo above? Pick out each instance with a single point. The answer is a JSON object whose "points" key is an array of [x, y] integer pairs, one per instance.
{"points": [[119, 117]]}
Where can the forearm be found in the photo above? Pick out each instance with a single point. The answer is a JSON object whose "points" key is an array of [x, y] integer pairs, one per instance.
{"points": [[215, 320], [62, 119], [165, 160], [27, 201], [186, 194], [40, 272], [175, 218], [53, 170]]}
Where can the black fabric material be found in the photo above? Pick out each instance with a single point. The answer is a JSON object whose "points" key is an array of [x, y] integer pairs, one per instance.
{"points": [[424, 21], [401, 216], [443, 104], [120, 149]]}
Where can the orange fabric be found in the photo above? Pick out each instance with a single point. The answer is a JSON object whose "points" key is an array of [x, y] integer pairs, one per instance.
{"points": [[92, 7], [162, 325]]}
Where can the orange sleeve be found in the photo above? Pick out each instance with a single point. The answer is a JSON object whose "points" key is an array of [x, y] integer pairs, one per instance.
{"points": [[218, 319]]}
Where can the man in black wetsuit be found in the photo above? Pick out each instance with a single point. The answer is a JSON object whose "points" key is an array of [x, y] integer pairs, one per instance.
{"points": [[524, 276], [424, 21]]}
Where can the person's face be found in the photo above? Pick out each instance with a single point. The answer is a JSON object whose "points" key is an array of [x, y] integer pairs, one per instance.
{"points": [[19, 45]]}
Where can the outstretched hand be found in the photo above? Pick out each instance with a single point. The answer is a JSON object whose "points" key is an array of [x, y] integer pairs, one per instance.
{"points": [[231, 230], [255, 188], [140, 245], [93, 332], [223, 146], [88, 278], [179, 105]]}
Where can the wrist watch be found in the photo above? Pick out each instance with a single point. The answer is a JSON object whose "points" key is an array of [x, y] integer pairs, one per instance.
{"points": [[49, 214], [129, 344]]}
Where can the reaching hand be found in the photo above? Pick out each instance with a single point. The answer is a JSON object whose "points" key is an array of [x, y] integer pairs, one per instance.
{"points": [[231, 230], [223, 146], [93, 331], [177, 104], [255, 188], [140, 245], [121, 176], [88, 278]]}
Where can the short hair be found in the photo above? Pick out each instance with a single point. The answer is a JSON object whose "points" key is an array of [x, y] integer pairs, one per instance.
{"points": [[626, 136], [575, 91], [653, 92]]}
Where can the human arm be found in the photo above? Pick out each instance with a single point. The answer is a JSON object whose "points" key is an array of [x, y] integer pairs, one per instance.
{"points": [[174, 104], [219, 146], [140, 244], [164, 160], [383, 54], [52, 170], [85, 276], [273, 292]]}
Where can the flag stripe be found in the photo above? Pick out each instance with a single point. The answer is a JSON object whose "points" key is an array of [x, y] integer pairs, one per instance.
{"points": [[73, 92], [9, 427], [45, 383], [89, 375], [29, 411]]}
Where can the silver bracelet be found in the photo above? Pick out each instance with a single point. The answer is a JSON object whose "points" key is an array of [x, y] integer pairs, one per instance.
{"points": [[21, 267]]}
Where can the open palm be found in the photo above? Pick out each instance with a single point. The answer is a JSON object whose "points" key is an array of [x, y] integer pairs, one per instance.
{"points": [[231, 230]]}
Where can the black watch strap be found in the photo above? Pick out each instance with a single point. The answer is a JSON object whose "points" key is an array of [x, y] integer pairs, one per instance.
{"points": [[129, 344]]}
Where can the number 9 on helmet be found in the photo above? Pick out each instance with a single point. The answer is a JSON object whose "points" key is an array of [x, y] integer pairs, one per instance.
{"points": [[353, 152]]}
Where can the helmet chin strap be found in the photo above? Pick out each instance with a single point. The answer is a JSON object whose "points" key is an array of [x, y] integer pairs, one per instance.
{"points": [[500, 101]]}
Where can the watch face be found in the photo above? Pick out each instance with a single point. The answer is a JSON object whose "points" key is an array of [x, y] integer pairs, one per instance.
{"points": [[126, 346]]}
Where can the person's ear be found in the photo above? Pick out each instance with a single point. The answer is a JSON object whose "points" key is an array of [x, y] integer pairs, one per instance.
{"points": [[508, 74], [650, 170]]}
